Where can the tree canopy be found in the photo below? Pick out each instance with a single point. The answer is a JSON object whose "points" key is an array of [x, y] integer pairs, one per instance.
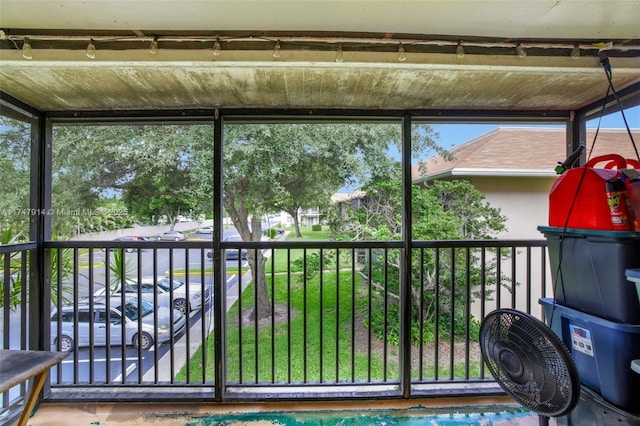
{"points": [[148, 167], [166, 170], [15, 158]]}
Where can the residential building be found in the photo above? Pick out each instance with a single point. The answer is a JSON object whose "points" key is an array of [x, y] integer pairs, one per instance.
{"points": [[514, 168]]}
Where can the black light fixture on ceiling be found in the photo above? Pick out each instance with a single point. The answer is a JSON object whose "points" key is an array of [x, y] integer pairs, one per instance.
{"points": [[26, 49], [339, 54], [575, 52], [402, 55], [276, 50], [91, 50], [153, 47]]}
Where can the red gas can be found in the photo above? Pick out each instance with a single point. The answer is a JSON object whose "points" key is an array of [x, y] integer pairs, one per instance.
{"points": [[578, 197]]}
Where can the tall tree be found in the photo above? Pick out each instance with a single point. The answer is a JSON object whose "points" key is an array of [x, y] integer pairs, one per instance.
{"points": [[290, 165], [148, 165]]}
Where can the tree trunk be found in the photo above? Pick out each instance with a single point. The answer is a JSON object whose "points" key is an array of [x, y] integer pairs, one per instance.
{"points": [[252, 232], [263, 301], [256, 263], [296, 222]]}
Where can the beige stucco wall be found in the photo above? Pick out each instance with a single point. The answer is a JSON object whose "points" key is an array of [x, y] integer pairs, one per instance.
{"points": [[524, 201]]}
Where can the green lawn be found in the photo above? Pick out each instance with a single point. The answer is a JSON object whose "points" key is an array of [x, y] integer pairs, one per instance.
{"points": [[304, 348], [317, 332], [318, 343]]}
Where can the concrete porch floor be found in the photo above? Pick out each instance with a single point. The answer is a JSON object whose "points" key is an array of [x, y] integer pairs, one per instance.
{"points": [[482, 411]]}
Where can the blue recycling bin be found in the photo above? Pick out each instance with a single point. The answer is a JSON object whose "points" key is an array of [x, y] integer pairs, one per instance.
{"points": [[603, 351]]}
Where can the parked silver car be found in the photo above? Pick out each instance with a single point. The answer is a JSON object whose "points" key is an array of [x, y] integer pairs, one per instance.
{"points": [[73, 326], [231, 254], [172, 236], [159, 289]]}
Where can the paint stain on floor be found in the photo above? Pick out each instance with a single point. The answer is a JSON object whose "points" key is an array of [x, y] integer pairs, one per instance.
{"points": [[412, 417]]}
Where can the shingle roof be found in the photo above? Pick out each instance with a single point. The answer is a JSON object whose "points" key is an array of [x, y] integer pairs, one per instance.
{"points": [[533, 151]]}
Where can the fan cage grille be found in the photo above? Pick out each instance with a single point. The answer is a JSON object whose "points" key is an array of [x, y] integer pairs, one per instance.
{"points": [[529, 362]]}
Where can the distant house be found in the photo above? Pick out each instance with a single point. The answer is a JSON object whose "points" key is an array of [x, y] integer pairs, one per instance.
{"points": [[348, 200], [514, 169]]}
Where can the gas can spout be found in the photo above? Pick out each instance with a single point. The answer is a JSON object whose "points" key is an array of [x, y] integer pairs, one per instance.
{"points": [[570, 161]]}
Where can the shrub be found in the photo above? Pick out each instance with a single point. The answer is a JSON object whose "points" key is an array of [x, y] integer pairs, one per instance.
{"points": [[271, 233], [316, 228]]}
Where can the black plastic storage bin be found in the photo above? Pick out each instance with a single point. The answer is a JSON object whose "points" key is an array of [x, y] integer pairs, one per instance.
{"points": [[591, 277], [603, 352]]}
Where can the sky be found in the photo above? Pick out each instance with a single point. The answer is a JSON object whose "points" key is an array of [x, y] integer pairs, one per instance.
{"points": [[455, 134]]}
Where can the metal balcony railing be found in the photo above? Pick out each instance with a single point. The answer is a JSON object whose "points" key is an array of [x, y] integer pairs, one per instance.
{"points": [[341, 318], [15, 271]]}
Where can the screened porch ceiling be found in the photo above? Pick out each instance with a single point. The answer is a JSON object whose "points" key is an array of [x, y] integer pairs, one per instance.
{"points": [[189, 72]]}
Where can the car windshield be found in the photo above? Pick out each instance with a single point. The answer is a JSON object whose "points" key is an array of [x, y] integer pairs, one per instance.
{"points": [[131, 309], [164, 283]]}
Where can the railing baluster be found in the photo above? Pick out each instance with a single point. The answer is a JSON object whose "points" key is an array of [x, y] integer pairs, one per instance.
{"points": [[123, 326], [421, 306], [498, 277], [6, 296], [483, 289], [256, 328], [240, 326], [156, 370], [107, 293], [369, 312], [289, 330], [513, 277], [203, 329], [436, 332], [543, 276], [91, 291], [452, 310], [321, 327], [528, 287], [139, 290], [353, 315], [187, 334], [337, 327], [273, 319], [75, 313], [24, 298], [467, 311], [171, 318], [304, 317], [385, 348], [58, 285]]}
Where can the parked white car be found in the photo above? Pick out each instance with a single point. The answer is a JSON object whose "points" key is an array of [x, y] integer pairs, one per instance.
{"points": [[161, 286], [73, 326]]}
